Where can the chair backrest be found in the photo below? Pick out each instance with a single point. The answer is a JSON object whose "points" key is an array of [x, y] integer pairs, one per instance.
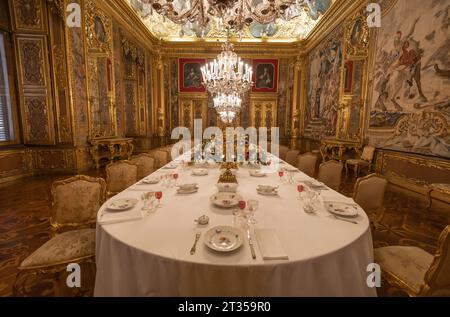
{"points": [[368, 153], [437, 278], [162, 157], [145, 163], [292, 157], [76, 200], [120, 176], [283, 150], [307, 163], [369, 192], [330, 173]]}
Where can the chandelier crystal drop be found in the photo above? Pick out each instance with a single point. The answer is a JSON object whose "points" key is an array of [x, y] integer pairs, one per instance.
{"points": [[227, 106], [227, 74]]}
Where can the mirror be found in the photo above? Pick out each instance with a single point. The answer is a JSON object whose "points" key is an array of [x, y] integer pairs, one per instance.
{"points": [[356, 100], [100, 96]]}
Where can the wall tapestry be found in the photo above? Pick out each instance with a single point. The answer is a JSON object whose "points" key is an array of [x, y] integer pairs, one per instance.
{"points": [[410, 93], [325, 63]]}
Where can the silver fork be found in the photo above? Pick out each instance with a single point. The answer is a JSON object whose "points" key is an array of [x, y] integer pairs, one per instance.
{"points": [[194, 247]]}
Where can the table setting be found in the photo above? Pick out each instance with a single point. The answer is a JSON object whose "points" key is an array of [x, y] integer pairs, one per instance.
{"points": [[204, 231]]}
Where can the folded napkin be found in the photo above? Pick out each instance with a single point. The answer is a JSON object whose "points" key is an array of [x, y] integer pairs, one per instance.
{"points": [[269, 244], [109, 217]]}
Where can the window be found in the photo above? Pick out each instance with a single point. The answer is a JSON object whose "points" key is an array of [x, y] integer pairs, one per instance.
{"points": [[6, 118]]}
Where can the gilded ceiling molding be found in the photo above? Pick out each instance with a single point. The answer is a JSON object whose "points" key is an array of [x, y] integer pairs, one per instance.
{"points": [[128, 20], [339, 12]]}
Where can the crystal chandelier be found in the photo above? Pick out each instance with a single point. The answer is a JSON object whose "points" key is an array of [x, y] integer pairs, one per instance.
{"points": [[227, 106], [227, 74], [234, 14]]}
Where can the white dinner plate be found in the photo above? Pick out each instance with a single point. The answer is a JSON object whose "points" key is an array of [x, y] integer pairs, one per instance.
{"points": [[122, 204], [267, 193], [200, 172], [342, 209], [225, 199], [224, 238], [257, 173], [187, 191], [150, 181]]}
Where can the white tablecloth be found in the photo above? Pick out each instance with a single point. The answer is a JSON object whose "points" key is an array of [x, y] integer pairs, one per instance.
{"points": [[150, 256]]}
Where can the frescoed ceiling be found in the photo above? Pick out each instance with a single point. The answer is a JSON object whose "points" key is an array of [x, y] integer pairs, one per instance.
{"points": [[306, 17]]}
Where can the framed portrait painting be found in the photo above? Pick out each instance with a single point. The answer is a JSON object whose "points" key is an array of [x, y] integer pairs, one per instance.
{"points": [[190, 75], [265, 75]]}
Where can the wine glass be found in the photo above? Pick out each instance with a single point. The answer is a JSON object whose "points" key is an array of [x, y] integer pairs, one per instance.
{"points": [[158, 195], [175, 177], [252, 207], [281, 174], [300, 190]]}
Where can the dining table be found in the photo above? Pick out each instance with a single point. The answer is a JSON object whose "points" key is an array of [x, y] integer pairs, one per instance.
{"points": [[295, 253]]}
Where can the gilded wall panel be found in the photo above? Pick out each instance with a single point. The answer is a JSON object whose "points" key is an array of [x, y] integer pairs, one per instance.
{"points": [[283, 98], [78, 83], [53, 159], [174, 111], [410, 92], [28, 15], [35, 94], [60, 76], [32, 62]]}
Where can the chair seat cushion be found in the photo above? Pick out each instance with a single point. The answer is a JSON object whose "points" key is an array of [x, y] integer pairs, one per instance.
{"points": [[63, 247], [409, 264], [357, 162]]}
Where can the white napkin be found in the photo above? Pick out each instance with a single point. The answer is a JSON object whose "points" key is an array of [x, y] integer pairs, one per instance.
{"points": [[109, 217], [269, 244]]}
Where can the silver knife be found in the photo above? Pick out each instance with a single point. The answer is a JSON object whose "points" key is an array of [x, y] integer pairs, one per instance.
{"points": [[250, 242], [197, 237]]}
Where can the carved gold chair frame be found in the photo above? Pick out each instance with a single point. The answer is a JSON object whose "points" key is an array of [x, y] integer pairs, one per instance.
{"points": [[375, 223], [26, 273], [429, 287], [108, 174]]}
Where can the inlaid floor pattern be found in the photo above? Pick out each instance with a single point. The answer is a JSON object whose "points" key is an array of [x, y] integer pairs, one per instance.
{"points": [[24, 226]]}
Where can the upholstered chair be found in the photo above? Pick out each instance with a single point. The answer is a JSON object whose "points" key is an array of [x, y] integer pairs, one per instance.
{"points": [[283, 150], [119, 176], [162, 157], [145, 163], [415, 271], [292, 157], [369, 194], [75, 203], [330, 173], [307, 163], [364, 162]]}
